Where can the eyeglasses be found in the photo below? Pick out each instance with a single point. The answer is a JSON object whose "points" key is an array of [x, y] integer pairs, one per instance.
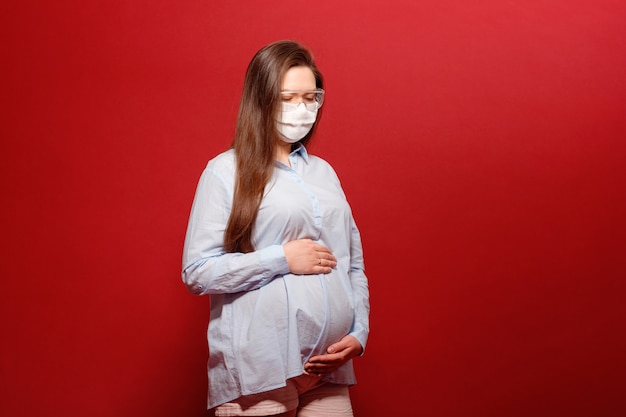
{"points": [[312, 99]]}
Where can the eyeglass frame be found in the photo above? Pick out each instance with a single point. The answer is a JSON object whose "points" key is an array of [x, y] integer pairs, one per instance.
{"points": [[319, 92]]}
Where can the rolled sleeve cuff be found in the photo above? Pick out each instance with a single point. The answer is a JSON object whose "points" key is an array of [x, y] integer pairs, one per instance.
{"points": [[361, 336], [273, 260]]}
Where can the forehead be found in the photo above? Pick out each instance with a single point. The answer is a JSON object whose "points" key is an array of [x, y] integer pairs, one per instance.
{"points": [[298, 78]]}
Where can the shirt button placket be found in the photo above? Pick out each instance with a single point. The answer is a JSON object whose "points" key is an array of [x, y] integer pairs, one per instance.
{"points": [[316, 211]]}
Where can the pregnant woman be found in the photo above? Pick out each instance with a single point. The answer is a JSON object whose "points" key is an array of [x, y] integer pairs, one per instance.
{"points": [[272, 240]]}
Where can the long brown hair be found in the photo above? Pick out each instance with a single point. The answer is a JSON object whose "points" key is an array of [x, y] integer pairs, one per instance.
{"points": [[256, 135]]}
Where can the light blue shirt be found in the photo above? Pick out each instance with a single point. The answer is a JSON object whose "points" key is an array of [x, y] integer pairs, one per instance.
{"points": [[265, 322]]}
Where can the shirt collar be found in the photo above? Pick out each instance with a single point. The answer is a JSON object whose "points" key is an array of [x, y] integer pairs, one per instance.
{"points": [[300, 151]]}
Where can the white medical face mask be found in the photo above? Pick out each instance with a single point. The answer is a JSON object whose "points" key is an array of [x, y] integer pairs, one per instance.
{"points": [[295, 124]]}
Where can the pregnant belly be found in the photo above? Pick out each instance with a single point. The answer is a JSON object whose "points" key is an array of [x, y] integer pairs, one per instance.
{"points": [[321, 310]]}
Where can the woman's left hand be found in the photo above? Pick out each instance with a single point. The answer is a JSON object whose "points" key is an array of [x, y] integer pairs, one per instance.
{"points": [[338, 354]]}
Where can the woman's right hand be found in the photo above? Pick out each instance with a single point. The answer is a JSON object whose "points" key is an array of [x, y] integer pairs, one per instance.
{"points": [[306, 257]]}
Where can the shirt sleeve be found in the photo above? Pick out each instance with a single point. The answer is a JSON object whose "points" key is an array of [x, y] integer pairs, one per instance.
{"points": [[358, 280], [360, 327], [207, 268]]}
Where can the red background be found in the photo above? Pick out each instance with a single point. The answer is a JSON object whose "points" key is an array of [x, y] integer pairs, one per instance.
{"points": [[481, 145]]}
